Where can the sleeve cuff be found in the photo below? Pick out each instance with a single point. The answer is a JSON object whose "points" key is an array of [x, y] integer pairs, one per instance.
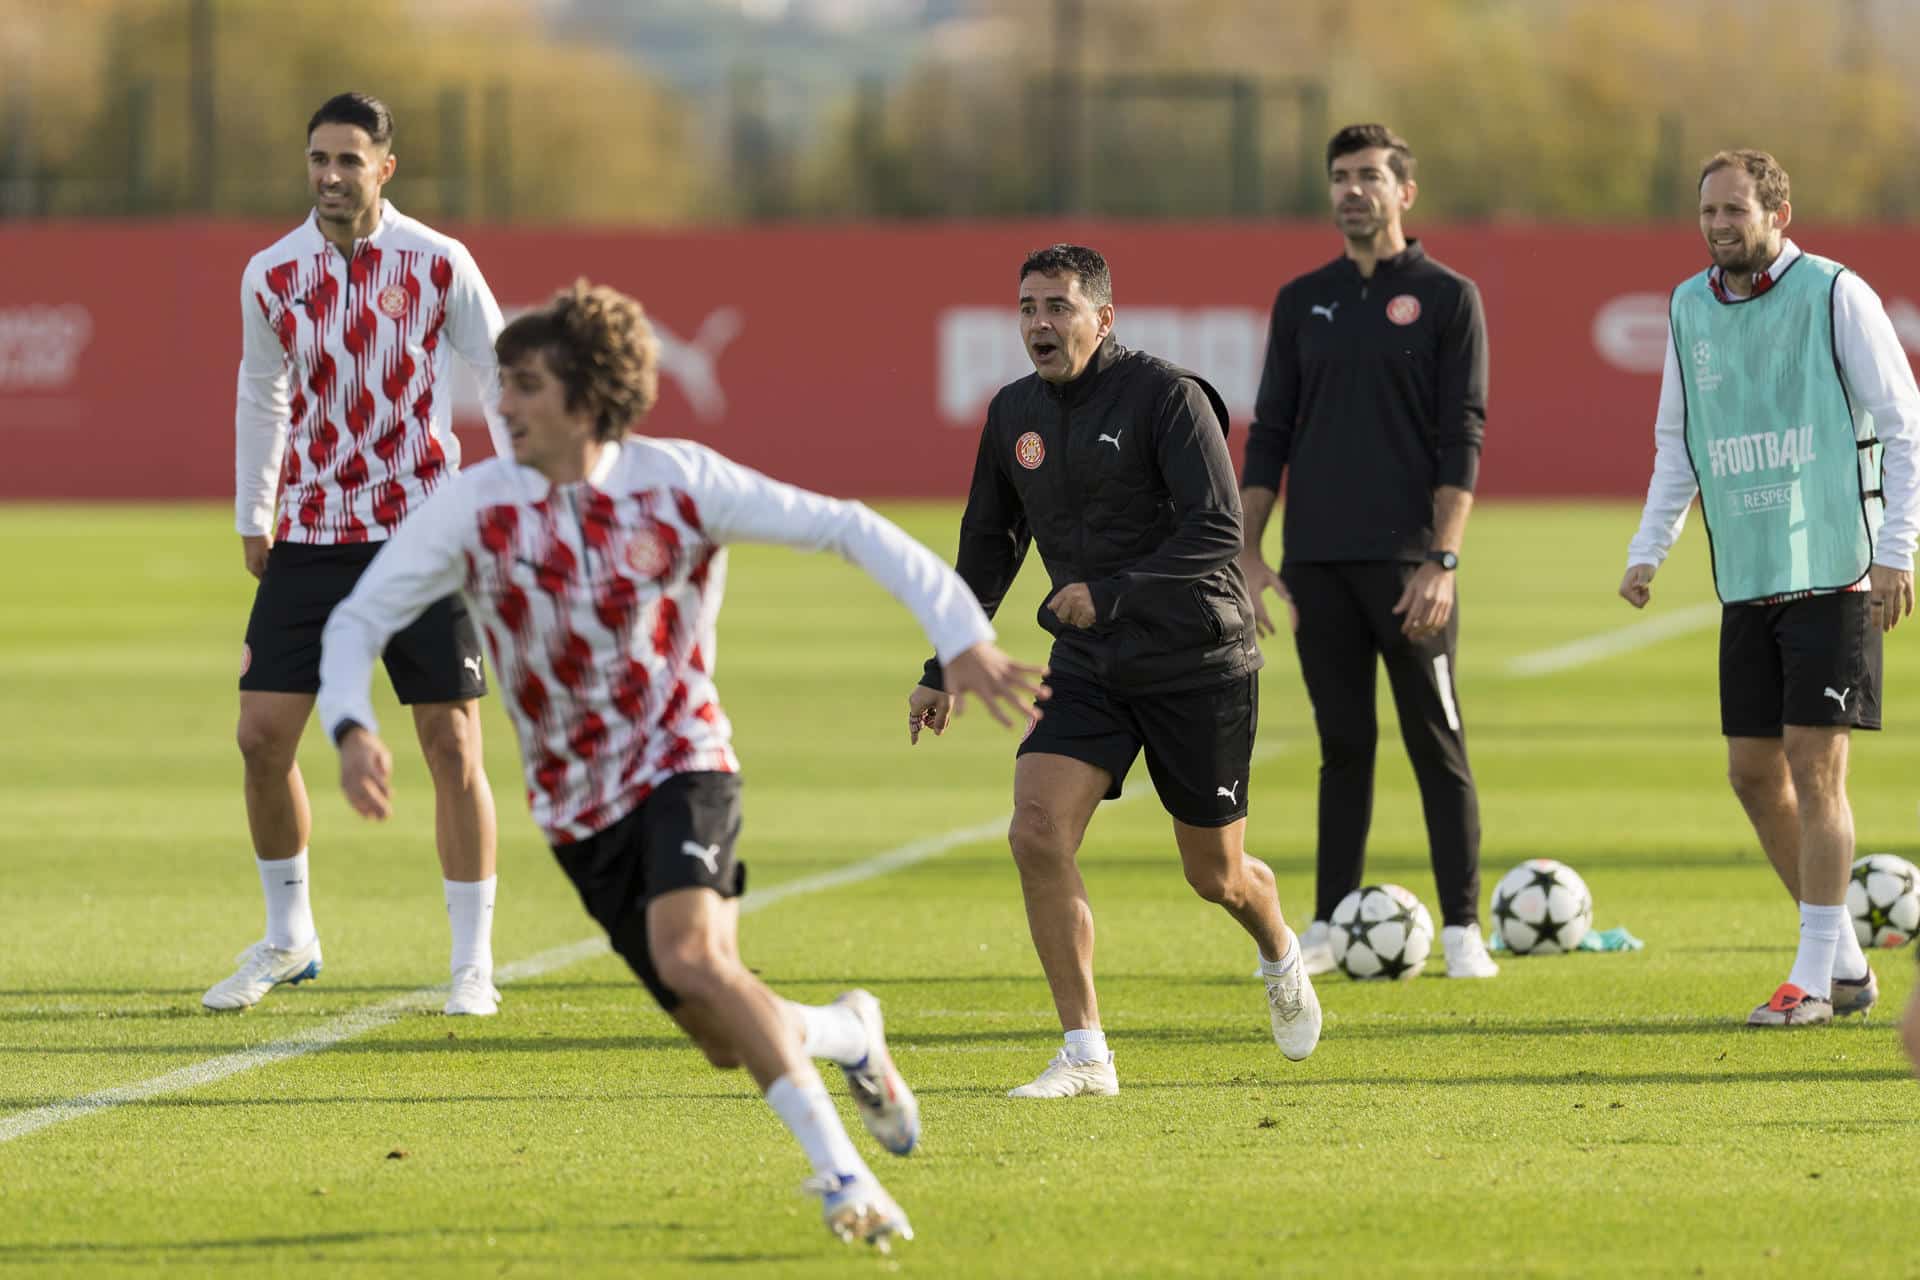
{"points": [[1261, 473], [1106, 595], [1459, 467], [346, 726], [932, 677]]}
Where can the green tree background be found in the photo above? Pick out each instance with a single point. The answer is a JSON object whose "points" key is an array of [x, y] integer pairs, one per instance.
{"points": [[1581, 110]]}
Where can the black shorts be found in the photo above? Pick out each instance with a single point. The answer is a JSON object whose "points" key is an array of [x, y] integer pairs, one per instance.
{"points": [[1199, 742], [681, 837], [1814, 661], [437, 659]]}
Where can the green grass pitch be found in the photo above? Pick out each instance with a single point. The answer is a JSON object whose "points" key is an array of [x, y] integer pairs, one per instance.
{"points": [[1599, 1115]]}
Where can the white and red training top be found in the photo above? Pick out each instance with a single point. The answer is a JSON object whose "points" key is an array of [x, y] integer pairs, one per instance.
{"points": [[343, 401], [598, 600]]}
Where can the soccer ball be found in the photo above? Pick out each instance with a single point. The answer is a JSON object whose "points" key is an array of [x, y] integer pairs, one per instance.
{"points": [[1381, 931], [1884, 900], [1542, 908]]}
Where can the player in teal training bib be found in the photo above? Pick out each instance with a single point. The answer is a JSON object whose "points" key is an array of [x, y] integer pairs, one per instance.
{"points": [[1789, 491]]}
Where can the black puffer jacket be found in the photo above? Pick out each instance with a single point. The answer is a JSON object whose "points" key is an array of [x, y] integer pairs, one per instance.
{"points": [[1122, 477]]}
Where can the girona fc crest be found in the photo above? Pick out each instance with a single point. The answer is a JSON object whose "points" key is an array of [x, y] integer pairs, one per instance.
{"points": [[1029, 450], [393, 301], [1404, 309], [246, 658], [647, 555]]}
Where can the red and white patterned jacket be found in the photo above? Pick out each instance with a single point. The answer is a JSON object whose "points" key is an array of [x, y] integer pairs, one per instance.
{"points": [[598, 601], [343, 403]]}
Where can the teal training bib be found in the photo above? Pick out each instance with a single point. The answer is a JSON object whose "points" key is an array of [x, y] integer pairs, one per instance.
{"points": [[1788, 489]]}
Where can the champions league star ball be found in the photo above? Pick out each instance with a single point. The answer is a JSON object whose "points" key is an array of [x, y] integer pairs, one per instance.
{"points": [[1381, 931], [1884, 900], [1542, 908]]}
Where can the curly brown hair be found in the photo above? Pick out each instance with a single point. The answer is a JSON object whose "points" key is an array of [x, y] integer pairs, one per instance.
{"points": [[601, 348], [1770, 184]]}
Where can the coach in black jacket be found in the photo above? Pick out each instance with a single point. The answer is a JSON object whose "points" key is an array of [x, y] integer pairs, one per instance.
{"points": [[1374, 395], [1116, 464]]}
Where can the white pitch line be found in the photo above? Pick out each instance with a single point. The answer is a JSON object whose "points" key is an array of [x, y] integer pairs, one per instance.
{"points": [[359, 1022], [1609, 644]]}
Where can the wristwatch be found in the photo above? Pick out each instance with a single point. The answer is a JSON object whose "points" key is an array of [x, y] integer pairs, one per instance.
{"points": [[1445, 559]]}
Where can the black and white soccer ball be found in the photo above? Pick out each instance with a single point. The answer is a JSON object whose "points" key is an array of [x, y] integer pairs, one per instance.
{"points": [[1542, 908], [1883, 897], [1381, 931]]}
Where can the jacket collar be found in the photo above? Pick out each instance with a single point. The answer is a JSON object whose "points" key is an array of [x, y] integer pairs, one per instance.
{"points": [[1763, 280], [1109, 354], [537, 488], [1414, 254], [389, 217]]}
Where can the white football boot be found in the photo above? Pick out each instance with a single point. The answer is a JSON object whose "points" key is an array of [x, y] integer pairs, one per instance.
{"points": [[262, 968], [1294, 1009], [888, 1107], [857, 1209], [1067, 1077], [472, 993], [1467, 952]]}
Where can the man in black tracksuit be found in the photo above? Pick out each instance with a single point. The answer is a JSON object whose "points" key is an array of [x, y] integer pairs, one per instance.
{"points": [[1116, 464], [1374, 394]]}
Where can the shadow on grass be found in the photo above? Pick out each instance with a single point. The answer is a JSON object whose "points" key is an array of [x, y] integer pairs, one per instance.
{"points": [[1576, 1079], [189, 1102], [1347, 1027], [123, 1251]]}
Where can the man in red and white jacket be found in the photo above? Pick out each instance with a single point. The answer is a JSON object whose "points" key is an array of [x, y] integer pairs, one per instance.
{"points": [[595, 563], [343, 411]]}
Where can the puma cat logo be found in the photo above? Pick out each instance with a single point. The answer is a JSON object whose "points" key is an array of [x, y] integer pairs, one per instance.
{"points": [[709, 855], [1326, 311], [1113, 439], [1840, 697], [1228, 792]]}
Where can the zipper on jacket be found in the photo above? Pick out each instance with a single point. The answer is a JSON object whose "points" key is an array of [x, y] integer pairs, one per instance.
{"points": [[1069, 479]]}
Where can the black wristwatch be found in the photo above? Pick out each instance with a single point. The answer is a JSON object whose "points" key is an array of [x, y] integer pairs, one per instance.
{"points": [[1445, 559]]}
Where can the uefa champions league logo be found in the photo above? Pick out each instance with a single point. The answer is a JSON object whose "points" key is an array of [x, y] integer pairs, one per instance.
{"points": [[1703, 375]]}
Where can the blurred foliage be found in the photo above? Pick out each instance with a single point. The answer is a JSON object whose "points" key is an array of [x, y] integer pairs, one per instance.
{"points": [[492, 118], [1545, 109], [1550, 109]]}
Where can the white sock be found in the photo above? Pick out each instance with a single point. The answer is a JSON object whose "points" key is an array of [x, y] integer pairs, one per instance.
{"points": [[1284, 965], [1087, 1046], [1819, 936], [831, 1031], [470, 914], [1849, 961], [289, 910], [808, 1113]]}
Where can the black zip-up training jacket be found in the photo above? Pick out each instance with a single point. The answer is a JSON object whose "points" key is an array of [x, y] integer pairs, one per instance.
{"points": [[1123, 478], [1374, 394]]}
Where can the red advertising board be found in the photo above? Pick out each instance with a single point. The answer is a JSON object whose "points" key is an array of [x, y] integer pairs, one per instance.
{"points": [[858, 359]]}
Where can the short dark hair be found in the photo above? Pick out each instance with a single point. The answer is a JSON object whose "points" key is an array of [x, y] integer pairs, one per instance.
{"points": [[1076, 260], [601, 348], [1362, 137], [1770, 182], [361, 110]]}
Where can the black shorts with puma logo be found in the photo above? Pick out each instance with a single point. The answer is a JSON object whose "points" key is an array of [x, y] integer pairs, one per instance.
{"points": [[435, 659], [1198, 742], [681, 836], [1813, 661]]}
